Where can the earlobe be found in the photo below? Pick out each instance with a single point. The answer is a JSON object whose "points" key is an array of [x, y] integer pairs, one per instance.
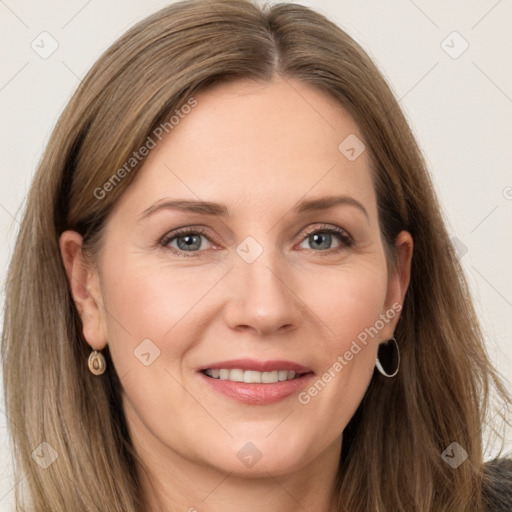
{"points": [[84, 285]]}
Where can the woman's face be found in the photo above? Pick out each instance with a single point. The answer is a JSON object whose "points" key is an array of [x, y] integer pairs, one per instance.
{"points": [[284, 274]]}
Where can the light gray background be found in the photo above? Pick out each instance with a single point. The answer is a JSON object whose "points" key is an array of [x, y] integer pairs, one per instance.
{"points": [[460, 110]]}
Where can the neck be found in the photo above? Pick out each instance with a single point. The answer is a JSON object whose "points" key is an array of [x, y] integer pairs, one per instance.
{"points": [[172, 483]]}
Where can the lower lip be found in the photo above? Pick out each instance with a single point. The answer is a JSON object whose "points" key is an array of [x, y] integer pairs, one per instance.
{"points": [[259, 394]]}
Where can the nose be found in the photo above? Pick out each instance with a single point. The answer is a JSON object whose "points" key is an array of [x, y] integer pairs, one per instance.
{"points": [[262, 298]]}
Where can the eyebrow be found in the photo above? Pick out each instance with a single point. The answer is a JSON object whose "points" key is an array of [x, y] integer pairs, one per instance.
{"points": [[220, 210]]}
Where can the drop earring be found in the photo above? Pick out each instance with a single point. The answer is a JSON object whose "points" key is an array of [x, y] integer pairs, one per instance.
{"points": [[97, 363]]}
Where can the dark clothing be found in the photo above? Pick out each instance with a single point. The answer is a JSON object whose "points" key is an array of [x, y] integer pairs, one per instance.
{"points": [[498, 485]]}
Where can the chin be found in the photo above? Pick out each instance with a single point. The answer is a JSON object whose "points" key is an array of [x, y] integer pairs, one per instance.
{"points": [[263, 468], [258, 456]]}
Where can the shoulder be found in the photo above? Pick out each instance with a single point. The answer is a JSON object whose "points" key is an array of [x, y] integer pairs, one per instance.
{"points": [[497, 489]]}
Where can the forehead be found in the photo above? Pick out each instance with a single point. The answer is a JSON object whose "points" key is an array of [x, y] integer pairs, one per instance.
{"points": [[253, 145]]}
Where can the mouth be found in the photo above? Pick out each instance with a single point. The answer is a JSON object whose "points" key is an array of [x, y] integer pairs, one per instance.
{"points": [[255, 382], [252, 376]]}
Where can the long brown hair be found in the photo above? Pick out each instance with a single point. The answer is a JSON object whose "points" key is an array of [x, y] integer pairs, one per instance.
{"points": [[391, 457]]}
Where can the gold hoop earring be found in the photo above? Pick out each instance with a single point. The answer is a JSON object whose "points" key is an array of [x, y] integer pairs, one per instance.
{"points": [[388, 358], [97, 363]]}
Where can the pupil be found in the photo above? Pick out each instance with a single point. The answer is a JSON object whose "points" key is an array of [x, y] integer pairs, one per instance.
{"points": [[189, 241], [318, 240]]}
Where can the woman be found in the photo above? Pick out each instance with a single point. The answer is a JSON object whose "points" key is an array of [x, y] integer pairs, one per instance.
{"points": [[233, 287]]}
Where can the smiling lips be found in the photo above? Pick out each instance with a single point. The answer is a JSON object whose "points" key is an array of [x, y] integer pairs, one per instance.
{"points": [[252, 371], [256, 382], [251, 376]]}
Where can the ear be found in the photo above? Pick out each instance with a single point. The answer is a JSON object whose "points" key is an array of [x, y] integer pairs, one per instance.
{"points": [[85, 288], [398, 281]]}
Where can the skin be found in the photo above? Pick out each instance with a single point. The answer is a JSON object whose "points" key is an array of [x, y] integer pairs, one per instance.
{"points": [[259, 149]]}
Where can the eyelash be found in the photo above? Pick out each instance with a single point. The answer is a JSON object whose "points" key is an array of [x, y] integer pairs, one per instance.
{"points": [[345, 239]]}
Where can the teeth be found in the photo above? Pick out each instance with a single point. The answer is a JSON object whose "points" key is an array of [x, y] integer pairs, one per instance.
{"points": [[215, 373], [283, 375], [267, 377], [251, 376], [235, 375]]}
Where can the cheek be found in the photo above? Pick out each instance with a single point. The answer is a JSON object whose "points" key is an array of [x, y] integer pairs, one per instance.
{"points": [[154, 302], [349, 302], [348, 299], [152, 322]]}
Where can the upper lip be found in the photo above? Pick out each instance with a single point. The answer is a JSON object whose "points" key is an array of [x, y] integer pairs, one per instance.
{"points": [[260, 366]]}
